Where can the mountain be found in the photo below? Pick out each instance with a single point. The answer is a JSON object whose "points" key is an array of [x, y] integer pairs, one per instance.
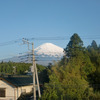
{"points": [[44, 54], [48, 53], [49, 49]]}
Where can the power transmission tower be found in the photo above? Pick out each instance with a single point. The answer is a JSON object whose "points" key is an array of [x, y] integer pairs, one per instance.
{"points": [[35, 74]]}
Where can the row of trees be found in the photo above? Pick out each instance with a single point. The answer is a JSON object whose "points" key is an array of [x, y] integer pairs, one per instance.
{"points": [[77, 75], [9, 68], [13, 68]]}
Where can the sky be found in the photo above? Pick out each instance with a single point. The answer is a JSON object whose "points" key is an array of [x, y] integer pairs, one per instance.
{"points": [[47, 18]]}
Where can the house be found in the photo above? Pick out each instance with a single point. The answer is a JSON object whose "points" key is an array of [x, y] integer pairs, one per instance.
{"points": [[12, 87]]}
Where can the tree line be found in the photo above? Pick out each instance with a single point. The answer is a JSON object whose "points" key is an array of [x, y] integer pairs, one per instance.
{"points": [[13, 68]]}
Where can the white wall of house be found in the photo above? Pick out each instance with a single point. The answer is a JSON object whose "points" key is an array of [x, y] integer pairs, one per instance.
{"points": [[22, 89], [9, 91], [13, 93]]}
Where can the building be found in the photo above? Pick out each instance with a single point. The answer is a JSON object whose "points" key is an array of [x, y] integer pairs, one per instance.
{"points": [[12, 87]]}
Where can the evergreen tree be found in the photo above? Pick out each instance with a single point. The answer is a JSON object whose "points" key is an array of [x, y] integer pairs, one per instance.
{"points": [[94, 54], [74, 46], [77, 56], [94, 45]]}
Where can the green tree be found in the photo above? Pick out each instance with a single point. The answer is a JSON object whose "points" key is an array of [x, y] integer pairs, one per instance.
{"points": [[77, 56], [94, 54], [94, 45], [66, 85], [74, 46]]}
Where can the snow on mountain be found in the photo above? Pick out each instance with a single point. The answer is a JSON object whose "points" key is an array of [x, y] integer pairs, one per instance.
{"points": [[49, 49], [48, 53]]}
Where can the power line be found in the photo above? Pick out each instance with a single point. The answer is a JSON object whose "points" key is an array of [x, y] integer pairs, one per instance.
{"points": [[60, 38], [10, 42], [46, 38]]}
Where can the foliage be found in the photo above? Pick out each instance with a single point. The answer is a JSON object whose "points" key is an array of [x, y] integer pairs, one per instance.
{"points": [[77, 56], [65, 85], [74, 46], [13, 68], [94, 54], [40, 68], [17, 68], [95, 96], [70, 79], [43, 76]]}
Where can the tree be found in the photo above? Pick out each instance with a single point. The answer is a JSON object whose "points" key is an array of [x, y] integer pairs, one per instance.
{"points": [[65, 85], [74, 46], [94, 45], [94, 54], [77, 56]]}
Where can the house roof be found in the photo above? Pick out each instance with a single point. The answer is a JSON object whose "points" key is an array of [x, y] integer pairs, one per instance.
{"points": [[18, 81]]}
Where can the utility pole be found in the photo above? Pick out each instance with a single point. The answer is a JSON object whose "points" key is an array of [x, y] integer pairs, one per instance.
{"points": [[35, 74]]}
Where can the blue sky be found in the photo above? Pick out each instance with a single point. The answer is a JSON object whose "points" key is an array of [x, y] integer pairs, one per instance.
{"points": [[47, 18]]}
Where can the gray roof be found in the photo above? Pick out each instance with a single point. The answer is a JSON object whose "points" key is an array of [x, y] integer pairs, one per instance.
{"points": [[18, 81]]}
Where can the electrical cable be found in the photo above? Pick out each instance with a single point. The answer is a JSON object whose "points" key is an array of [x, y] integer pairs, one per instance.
{"points": [[45, 38]]}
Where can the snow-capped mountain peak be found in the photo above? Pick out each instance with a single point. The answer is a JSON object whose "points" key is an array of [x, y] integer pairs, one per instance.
{"points": [[49, 49]]}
